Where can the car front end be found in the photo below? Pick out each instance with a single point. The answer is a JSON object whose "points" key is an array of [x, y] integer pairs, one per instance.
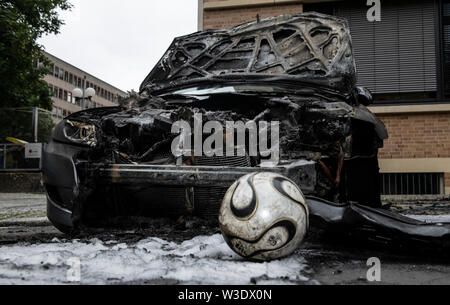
{"points": [[298, 71]]}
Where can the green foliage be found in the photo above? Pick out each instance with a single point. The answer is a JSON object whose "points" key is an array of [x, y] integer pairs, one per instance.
{"points": [[45, 127], [22, 22], [17, 123]]}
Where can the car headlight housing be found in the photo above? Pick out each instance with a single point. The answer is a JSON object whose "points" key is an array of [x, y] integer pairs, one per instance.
{"points": [[75, 132]]}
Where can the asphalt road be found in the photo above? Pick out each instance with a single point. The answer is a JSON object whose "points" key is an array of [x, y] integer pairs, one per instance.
{"points": [[32, 251]]}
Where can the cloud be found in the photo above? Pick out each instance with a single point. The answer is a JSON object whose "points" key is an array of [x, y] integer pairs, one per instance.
{"points": [[120, 41]]}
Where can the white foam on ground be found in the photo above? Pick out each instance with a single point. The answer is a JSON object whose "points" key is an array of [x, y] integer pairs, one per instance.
{"points": [[202, 260], [431, 218]]}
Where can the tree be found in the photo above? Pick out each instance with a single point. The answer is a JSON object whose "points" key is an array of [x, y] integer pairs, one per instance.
{"points": [[22, 22]]}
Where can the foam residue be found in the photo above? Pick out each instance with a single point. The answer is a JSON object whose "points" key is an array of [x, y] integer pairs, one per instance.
{"points": [[201, 260]]}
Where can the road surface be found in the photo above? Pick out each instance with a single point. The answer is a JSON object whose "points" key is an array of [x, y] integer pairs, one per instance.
{"points": [[32, 251]]}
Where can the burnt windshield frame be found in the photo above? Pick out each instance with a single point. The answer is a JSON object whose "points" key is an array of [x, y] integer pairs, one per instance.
{"points": [[280, 88]]}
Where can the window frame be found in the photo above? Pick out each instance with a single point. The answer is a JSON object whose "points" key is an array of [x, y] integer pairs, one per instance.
{"points": [[439, 93]]}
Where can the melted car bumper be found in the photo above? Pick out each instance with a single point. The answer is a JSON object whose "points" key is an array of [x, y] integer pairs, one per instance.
{"points": [[301, 172]]}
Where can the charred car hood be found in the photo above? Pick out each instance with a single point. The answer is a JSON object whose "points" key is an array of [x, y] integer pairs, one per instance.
{"points": [[305, 50]]}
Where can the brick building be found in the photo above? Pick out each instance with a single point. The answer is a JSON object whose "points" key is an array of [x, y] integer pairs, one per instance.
{"points": [[64, 77], [404, 59]]}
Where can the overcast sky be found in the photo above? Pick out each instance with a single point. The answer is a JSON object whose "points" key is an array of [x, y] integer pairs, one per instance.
{"points": [[120, 41]]}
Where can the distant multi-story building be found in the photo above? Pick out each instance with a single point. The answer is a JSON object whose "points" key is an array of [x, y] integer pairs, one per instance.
{"points": [[404, 59], [64, 77]]}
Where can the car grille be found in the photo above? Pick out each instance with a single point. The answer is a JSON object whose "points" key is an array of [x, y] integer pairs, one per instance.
{"points": [[158, 200], [207, 200], [223, 161]]}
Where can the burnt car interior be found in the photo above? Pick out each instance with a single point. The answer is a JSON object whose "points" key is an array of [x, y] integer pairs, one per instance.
{"points": [[298, 70]]}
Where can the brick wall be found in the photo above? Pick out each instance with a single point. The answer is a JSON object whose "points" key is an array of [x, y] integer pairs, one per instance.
{"points": [[447, 181], [424, 135], [224, 18]]}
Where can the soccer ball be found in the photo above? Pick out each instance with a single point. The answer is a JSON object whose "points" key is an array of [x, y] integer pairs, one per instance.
{"points": [[263, 216]]}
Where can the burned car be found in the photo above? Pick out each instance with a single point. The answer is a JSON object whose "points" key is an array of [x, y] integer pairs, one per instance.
{"points": [[107, 163]]}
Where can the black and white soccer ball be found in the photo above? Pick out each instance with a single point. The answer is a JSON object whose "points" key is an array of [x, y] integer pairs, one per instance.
{"points": [[264, 216]]}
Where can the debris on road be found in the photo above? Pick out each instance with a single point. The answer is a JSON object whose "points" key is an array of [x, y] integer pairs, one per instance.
{"points": [[34, 253]]}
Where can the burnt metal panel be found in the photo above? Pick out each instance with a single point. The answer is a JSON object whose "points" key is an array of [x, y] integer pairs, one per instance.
{"points": [[389, 229], [397, 54], [301, 172], [304, 48]]}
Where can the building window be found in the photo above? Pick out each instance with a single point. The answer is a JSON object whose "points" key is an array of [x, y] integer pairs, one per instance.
{"points": [[412, 184], [60, 94], [51, 69], [56, 74], [71, 78], [395, 58], [57, 112]]}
